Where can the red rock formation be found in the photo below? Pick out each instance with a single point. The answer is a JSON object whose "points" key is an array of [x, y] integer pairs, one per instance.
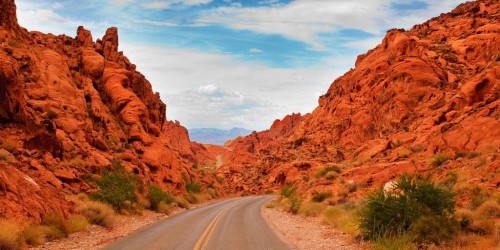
{"points": [[71, 105], [434, 88]]}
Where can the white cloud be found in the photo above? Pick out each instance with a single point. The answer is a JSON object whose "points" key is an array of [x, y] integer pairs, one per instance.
{"points": [[46, 20], [307, 20], [255, 50], [157, 23], [157, 5], [165, 4], [204, 89], [303, 20], [208, 89]]}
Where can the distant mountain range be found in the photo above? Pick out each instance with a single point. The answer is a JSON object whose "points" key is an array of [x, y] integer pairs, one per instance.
{"points": [[216, 136]]}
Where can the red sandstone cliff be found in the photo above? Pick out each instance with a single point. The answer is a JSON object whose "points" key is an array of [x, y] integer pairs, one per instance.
{"points": [[70, 105], [432, 89]]}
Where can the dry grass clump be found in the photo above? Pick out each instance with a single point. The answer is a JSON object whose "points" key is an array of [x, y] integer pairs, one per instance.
{"points": [[57, 226], [483, 219], [9, 235], [98, 213], [164, 208], [34, 235], [342, 219], [181, 202], [78, 223], [142, 202], [311, 209]]}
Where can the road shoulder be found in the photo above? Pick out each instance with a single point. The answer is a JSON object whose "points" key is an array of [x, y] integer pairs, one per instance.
{"points": [[307, 233]]}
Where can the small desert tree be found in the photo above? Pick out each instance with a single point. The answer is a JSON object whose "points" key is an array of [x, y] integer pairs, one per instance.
{"points": [[116, 186]]}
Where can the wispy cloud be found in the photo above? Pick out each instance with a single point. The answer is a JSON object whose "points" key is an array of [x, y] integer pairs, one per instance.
{"points": [[165, 4], [255, 50]]}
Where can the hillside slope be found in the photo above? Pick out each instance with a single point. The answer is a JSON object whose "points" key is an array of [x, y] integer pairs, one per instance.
{"points": [[429, 92], [69, 106]]}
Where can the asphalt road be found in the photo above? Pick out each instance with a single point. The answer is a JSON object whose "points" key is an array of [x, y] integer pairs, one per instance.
{"points": [[235, 224]]}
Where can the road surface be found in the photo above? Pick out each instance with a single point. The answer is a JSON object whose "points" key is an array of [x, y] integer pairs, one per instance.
{"points": [[235, 224]]}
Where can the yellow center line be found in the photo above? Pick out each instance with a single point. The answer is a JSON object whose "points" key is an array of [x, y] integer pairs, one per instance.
{"points": [[205, 236]]}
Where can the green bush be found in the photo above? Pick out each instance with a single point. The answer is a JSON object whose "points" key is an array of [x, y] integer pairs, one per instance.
{"points": [[193, 187], [287, 191], [389, 214], [157, 196], [116, 187]]}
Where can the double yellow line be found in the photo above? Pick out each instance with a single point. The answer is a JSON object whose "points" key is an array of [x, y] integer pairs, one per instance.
{"points": [[205, 237]]}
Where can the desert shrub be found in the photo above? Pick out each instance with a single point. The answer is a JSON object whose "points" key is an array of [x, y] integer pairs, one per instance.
{"points": [[181, 202], [312, 209], [193, 187], [52, 233], [482, 220], [439, 159], [395, 213], [478, 197], [322, 172], [472, 154], [14, 43], [156, 196], [321, 196], [60, 228], [142, 202], [434, 228], [77, 223], [9, 235], [51, 114], [212, 192], [9, 145], [164, 208], [287, 191], [460, 154], [191, 198], [489, 209], [116, 187], [34, 235], [295, 203], [98, 213]]}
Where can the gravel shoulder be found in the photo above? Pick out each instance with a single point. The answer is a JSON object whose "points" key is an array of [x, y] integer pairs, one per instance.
{"points": [[308, 233]]}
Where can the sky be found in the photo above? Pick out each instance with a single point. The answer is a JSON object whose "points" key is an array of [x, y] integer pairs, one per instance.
{"points": [[236, 63]]}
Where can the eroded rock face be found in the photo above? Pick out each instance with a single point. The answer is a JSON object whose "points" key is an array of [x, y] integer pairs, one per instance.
{"points": [[434, 88], [72, 105]]}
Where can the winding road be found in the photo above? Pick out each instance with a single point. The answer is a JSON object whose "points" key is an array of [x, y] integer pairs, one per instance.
{"points": [[229, 224]]}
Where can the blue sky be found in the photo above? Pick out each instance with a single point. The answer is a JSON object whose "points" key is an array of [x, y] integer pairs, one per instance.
{"points": [[229, 63]]}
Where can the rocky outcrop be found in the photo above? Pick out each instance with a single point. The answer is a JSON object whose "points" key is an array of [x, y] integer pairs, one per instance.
{"points": [[432, 89], [70, 106]]}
